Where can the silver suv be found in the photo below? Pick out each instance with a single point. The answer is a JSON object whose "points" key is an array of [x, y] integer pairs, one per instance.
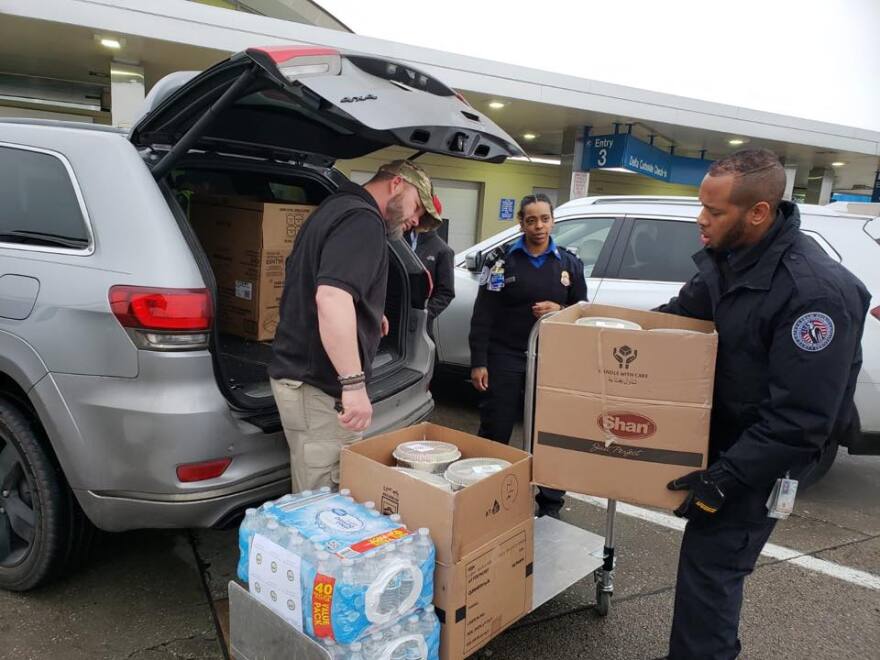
{"points": [[122, 405]]}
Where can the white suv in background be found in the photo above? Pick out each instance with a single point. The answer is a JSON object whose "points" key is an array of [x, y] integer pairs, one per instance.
{"points": [[637, 253]]}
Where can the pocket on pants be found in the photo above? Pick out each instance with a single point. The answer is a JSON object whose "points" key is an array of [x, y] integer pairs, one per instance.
{"points": [[290, 399]]}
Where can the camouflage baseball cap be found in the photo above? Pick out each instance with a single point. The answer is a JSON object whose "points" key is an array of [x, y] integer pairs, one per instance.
{"points": [[415, 175]]}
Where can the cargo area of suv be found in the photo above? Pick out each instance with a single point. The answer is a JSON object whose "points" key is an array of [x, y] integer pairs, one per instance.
{"points": [[241, 360]]}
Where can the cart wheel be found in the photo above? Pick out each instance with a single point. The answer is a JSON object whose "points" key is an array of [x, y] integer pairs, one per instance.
{"points": [[603, 601]]}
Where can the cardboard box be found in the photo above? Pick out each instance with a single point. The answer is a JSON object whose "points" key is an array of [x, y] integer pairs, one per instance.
{"points": [[619, 413], [247, 242], [487, 591], [460, 522]]}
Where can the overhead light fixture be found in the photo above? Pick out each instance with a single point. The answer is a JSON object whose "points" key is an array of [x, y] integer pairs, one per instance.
{"points": [[620, 170], [496, 105], [536, 159], [736, 142], [113, 44], [529, 136], [838, 163]]}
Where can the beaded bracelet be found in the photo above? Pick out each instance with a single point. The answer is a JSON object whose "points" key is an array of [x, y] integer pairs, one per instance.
{"points": [[352, 379]]}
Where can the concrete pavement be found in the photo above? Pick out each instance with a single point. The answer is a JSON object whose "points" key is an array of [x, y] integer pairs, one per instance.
{"points": [[160, 594]]}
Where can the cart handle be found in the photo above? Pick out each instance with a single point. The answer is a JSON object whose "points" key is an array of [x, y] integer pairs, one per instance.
{"points": [[531, 377]]}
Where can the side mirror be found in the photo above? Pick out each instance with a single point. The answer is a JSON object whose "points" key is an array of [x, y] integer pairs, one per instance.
{"points": [[473, 261]]}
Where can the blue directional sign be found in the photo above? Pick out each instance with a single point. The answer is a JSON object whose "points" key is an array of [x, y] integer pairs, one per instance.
{"points": [[506, 208], [875, 196], [628, 152]]}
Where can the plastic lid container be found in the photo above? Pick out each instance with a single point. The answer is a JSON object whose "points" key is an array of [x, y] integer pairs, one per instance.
{"points": [[471, 470], [426, 455], [428, 477], [676, 331], [608, 322]]}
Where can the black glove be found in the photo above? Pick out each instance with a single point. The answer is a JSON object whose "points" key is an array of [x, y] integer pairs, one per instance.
{"points": [[708, 491]]}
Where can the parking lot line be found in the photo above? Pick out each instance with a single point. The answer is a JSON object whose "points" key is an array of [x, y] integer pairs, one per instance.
{"points": [[809, 562]]}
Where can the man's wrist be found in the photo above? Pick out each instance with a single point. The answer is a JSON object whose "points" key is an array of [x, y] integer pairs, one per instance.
{"points": [[352, 379], [354, 387]]}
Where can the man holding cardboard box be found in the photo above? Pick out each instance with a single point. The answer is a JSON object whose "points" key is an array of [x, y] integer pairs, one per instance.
{"points": [[332, 315], [789, 320]]}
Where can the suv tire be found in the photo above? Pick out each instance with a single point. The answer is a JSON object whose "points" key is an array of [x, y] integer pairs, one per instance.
{"points": [[42, 528]]}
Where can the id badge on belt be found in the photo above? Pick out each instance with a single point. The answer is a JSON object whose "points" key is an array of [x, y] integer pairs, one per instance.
{"points": [[780, 504]]}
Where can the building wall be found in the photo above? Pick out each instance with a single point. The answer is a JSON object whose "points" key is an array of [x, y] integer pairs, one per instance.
{"points": [[616, 183], [512, 179]]}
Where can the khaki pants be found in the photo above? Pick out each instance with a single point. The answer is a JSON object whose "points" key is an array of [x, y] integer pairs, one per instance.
{"points": [[313, 433]]}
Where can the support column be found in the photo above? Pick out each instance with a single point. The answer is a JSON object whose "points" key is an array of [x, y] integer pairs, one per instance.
{"points": [[573, 182], [790, 176], [126, 93], [820, 185]]}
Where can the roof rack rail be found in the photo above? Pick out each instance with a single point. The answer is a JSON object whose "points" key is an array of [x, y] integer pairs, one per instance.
{"points": [[636, 199]]}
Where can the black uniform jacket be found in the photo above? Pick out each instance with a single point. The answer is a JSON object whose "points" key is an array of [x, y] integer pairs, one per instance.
{"points": [[789, 321], [438, 259], [502, 320]]}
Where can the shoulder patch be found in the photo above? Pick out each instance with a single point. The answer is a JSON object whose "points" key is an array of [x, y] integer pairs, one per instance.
{"points": [[813, 331], [484, 276]]}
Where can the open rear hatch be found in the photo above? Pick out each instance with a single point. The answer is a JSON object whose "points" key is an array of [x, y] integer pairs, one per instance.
{"points": [[311, 105], [303, 107]]}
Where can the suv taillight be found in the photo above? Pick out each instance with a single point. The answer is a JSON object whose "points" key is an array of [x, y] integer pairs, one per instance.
{"points": [[163, 319]]}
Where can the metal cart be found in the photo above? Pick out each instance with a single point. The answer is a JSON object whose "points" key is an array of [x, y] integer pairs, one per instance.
{"points": [[558, 578], [563, 555]]}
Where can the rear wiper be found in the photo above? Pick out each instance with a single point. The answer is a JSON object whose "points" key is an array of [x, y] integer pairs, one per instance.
{"points": [[42, 238]]}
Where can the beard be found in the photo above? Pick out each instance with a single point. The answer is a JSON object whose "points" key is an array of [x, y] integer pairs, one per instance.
{"points": [[733, 238], [395, 217]]}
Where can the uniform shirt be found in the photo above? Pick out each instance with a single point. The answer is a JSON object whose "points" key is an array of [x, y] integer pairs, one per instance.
{"points": [[789, 323], [502, 320], [342, 244]]}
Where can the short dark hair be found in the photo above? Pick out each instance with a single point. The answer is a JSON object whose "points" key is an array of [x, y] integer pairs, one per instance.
{"points": [[759, 177], [532, 199]]}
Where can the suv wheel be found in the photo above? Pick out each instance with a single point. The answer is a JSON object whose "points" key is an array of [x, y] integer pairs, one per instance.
{"points": [[42, 529]]}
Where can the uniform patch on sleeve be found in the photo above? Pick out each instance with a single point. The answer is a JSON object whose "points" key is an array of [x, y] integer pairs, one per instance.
{"points": [[484, 276], [813, 331]]}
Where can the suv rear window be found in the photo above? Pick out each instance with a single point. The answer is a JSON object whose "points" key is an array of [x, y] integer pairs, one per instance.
{"points": [[37, 197]]}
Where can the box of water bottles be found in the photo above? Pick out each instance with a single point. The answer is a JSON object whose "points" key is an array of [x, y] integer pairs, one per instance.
{"points": [[342, 573]]}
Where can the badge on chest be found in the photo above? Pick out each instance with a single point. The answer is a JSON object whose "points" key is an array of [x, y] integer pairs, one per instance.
{"points": [[565, 278]]}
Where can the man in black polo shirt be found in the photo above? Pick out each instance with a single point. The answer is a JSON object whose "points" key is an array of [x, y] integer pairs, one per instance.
{"points": [[331, 315]]}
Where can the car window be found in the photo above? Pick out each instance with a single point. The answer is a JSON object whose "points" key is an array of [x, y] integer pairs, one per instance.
{"points": [[585, 237], [37, 198], [660, 250]]}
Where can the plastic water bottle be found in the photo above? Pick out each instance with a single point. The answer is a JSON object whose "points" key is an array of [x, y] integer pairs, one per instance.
{"points": [[428, 621], [275, 532], [370, 505], [374, 646], [395, 518], [333, 649], [356, 649], [422, 545], [413, 625], [249, 523], [324, 490], [285, 499], [406, 553], [389, 601], [396, 634]]}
